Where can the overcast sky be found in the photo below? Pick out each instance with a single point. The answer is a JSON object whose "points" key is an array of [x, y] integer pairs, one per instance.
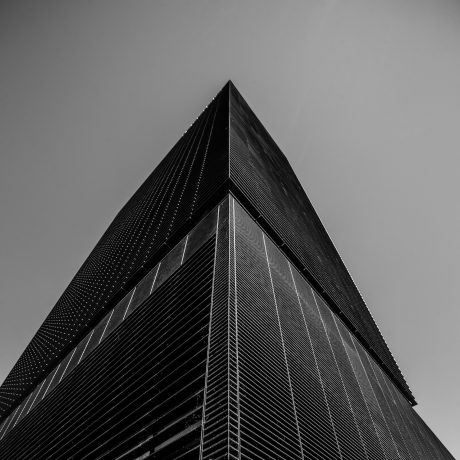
{"points": [[363, 97]]}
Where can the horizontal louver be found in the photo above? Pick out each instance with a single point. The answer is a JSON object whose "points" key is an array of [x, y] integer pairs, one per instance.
{"points": [[141, 390], [306, 388], [264, 180]]}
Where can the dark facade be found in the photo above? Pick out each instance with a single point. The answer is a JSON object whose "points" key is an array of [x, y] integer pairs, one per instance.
{"points": [[214, 319]]}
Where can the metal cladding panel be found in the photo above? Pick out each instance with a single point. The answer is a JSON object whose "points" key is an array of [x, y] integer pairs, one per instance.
{"points": [[268, 422], [266, 183], [174, 196], [304, 386], [226, 148], [271, 335], [220, 423], [139, 391], [223, 350]]}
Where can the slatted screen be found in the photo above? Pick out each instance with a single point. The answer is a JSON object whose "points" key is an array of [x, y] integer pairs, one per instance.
{"points": [[222, 351], [174, 196], [300, 385], [232, 333], [226, 148], [134, 386], [266, 183]]}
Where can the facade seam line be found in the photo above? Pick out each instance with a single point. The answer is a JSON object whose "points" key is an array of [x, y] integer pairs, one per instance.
{"points": [[236, 335], [203, 414], [341, 378], [284, 348], [316, 364]]}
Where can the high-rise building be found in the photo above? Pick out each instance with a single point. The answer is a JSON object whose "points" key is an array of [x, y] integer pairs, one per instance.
{"points": [[214, 319]]}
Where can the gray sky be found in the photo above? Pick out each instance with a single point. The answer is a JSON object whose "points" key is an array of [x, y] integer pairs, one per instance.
{"points": [[362, 96]]}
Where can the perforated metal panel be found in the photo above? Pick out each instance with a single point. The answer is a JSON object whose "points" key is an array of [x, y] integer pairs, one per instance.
{"points": [[226, 148], [296, 382], [137, 382], [204, 326], [267, 185], [175, 196]]}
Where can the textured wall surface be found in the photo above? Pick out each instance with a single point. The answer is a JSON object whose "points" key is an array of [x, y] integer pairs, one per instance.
{"points": [[299, 383], [134, 386], [222, 350], [226, 148], [268, 183], [174, 196]]}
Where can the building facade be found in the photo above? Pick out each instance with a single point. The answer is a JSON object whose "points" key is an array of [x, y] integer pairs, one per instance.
{"points": [[213, 319]]}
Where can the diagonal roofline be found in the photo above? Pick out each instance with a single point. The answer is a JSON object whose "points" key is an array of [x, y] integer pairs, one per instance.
{"points": [[226, 149]]}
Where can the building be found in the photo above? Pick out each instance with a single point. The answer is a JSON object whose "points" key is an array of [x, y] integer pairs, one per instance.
{"points": [[214, 319]]}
